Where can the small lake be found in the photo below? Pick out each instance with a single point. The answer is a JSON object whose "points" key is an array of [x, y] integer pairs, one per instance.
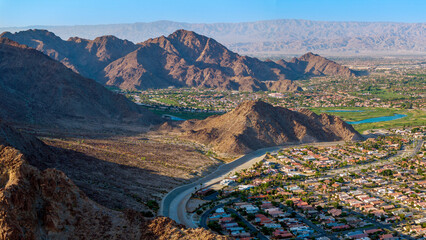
{"points": [[174, 118], [379, 119], [345, 110], [171, 117]]}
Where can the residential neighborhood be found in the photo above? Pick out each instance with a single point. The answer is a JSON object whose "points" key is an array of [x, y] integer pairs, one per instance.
{"points": [[402, 88], [372, 189]]}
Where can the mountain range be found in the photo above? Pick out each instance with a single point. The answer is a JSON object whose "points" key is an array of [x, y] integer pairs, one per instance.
{"points": [[256, 124], [282, 36], [37, 90], [182, 59]]}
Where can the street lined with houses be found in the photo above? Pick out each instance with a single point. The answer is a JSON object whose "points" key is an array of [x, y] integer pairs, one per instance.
{"points": [[323, 191]]}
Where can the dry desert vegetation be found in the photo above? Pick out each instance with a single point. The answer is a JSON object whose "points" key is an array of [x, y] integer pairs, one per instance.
{"points": [[129, 171]]}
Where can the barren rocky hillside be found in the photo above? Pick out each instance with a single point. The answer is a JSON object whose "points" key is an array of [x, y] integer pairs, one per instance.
{"points": [[86, 57], [38, 90], [46, 204], [255, 124], [182, 59]]}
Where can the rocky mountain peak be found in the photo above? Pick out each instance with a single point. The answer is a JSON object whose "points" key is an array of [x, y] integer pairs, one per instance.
{"points": [[78, 40], [107, 38], [315, 65], [187, 36], [307, 56], [254, 105], [6, 41], [189, 44], [256, 124], [36, 36]]}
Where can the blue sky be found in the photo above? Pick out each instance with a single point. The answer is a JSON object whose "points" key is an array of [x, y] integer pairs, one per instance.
{"points": [[86, 12]]}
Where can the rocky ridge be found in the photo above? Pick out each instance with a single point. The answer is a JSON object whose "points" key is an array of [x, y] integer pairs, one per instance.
{"points": [[256, 124], [46, 204], [37, 90], [182, 59], [83, 56]]}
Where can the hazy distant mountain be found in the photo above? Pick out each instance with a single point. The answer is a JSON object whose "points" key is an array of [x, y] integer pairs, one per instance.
{"points": [[256, 124], [38, 90], [274, 36], [182, 59]]}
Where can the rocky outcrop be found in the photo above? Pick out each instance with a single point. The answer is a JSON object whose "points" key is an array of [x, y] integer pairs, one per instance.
{"points": [[38, 90], [46, 204], [315, 65], [283, 86], [256, 124]]}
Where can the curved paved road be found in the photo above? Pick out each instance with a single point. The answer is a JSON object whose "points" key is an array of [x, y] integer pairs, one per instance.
{"points": [[173, 204], [357, 168]]}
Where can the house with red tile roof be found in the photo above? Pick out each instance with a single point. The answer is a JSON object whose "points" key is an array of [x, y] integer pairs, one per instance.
{"points": [[387, 237], [373, 231], [280, 233], [262, 219]]}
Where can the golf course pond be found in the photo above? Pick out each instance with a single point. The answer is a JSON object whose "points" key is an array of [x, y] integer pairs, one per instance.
{"points": [[379, 119]]}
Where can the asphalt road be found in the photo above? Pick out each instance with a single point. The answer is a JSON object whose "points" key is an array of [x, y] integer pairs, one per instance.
{"points": [[206, 214], [204, 217], [174, 203], [358, 168], [381, 225], [318, 229], [253, 229]]}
